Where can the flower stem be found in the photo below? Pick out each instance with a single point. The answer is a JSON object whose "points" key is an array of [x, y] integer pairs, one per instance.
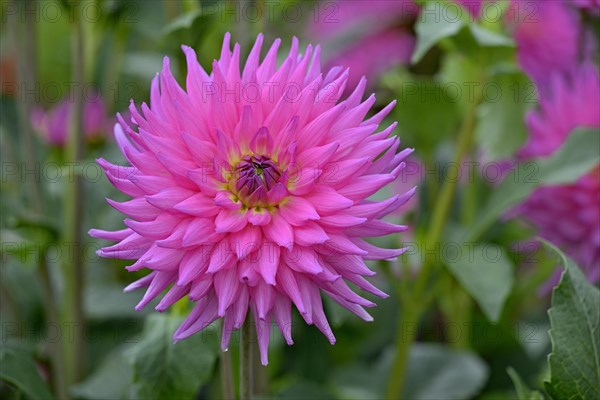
{"points": [[246, 360], [226, 375], [72, 313], [405, 337], [415, 304]]}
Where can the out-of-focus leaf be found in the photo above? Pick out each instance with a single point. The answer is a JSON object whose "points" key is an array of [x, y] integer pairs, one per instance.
{"points": [[110, 380], [575, 334], [438, 372], [486, 37], [523, 392], [439, 22], [578, 155], [109, 301], [141, 65], [500, 128], [303, 390], [418, 101], [184, 21], [435, 372], [18, 368], [162, 369], [486, 273]]}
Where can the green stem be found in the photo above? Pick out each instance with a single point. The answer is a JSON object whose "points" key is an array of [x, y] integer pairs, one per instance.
{"points": [[406, 335], [227, 375], [25, 37], [414, 308], [246, 360], [72, 314], [442, 209]]}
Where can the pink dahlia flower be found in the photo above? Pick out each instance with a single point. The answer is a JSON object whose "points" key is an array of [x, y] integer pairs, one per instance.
{"points": [[251, 191], [368, 36], [53, 124], [548, 36], [571, 102], [591, 5]]}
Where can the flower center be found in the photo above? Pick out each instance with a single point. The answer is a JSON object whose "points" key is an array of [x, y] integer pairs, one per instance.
{"points": [[254, 178]]}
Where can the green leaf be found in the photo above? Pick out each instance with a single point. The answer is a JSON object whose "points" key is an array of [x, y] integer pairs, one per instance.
{"points": [[18, 368], [500, 128], [486, 37], [110, 380], [162, 369], [438, 372], [439, 22], [485, 272], [523, 392], [183, 21], [578, 155], [575, 334], [435, 372], [419, 99], [107, 300]]}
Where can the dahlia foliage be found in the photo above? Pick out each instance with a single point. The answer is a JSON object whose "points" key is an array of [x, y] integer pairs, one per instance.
{"points": [[251, 191]]}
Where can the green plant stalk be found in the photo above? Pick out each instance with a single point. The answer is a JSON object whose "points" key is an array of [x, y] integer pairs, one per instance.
{"points": [[406, 335], [72, 313], [414, 308], [246, 360], [227, 388], [26, 39], [226, 376]]}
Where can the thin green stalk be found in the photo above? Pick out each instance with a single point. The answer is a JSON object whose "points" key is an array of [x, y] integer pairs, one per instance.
{"points": [[406, 335], [25, 37], [72, 315], [227, 388], [442, 209], [246, 360], [414, 308]]}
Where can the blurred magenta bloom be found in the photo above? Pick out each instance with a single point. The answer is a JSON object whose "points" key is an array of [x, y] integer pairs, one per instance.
{"points": [[548, 35], [251, 191], [572, 100], [567, 215], [591, 5], [53, 124], [370, 37]]}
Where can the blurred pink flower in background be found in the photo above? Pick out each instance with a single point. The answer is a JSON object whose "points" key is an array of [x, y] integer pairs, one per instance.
{"points": [[572, 100], [549, 36], [370, 37], [591, 5], [567, 215], [53, 124]]}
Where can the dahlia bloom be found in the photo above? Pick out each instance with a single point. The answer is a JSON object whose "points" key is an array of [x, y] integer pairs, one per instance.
{"points": [[591, 5], [369, 37], [53, 124], [567, 215], [548, 36], [250, 191]]}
